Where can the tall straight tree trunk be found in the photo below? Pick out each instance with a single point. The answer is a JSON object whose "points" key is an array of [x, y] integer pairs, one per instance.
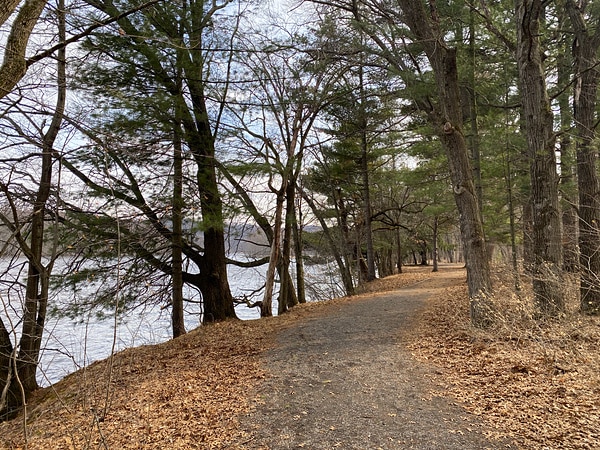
{"points": [[366, 189], [547, 223], [267, 302], [398, 250], [587, 77], [474, 140], [286, 286], [508, 177], [447, 120], [177, 319], [288, 298], [569, 209], [511, 214], [435, 244]]}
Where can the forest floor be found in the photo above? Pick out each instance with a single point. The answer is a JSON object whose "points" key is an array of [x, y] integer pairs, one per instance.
{"points": [[397, 367]]}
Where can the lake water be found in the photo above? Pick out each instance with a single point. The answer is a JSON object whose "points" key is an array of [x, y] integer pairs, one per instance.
{"points": [[70, 345]]}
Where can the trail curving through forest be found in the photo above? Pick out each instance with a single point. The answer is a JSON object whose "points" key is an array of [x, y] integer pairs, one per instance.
{"points": [[343, 379]]}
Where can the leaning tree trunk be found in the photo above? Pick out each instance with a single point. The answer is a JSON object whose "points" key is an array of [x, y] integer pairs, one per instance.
{"points": [[342, 262], [14, 65], [266, 309], [547, 223], [447, 120], [587, 77]]}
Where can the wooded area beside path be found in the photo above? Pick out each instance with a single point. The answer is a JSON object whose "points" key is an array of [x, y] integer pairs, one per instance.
{"points": [[149, 148]]}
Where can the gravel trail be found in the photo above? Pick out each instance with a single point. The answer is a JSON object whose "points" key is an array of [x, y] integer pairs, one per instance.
{"points": [[341, 379]]}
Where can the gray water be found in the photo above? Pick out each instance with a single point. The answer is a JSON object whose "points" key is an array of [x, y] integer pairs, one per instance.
{"points": [[70, 345]]}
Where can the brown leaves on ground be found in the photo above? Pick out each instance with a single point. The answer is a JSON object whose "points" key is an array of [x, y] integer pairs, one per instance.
{"points": [[184, 394], [537, 382]]}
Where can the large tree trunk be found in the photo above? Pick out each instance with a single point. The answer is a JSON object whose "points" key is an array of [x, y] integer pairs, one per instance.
{"points": [[587, 76], [216, 294], [447, 120], [288, 298], [547, 224], [14, 66], [567, 180], [10, 397], [217, 298]]}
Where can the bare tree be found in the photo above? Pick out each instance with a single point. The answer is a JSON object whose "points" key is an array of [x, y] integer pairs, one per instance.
{"points": [[18, 365]]}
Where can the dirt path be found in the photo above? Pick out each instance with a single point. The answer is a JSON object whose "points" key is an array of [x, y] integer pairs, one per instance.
{"points": [[342, 379]]}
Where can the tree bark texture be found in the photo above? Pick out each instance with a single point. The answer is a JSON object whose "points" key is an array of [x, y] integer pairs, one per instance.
{"points": [[266, 310], [288, 298], [14, 65], [7, 8], [538, 118], [177, 317], [587, 77], [567, 169], [447, 120], [299, 253]]}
